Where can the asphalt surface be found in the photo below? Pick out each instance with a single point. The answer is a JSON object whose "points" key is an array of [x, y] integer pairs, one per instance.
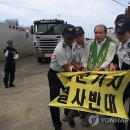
{"points": [[25, 107]]}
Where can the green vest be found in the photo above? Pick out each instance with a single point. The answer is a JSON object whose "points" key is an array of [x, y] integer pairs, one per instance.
{"points": [[94, 60]]}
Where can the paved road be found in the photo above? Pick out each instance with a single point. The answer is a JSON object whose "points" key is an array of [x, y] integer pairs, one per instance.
{"points": [[25, 107]]}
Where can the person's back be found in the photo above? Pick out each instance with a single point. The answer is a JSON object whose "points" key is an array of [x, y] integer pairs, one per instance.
{"points": [[11, 55]]}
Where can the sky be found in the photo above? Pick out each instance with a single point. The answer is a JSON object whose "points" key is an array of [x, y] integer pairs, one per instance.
{"points": [[85, 13]]}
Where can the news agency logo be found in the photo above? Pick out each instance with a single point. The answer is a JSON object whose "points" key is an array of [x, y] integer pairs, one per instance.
{"points": [[106, 120], [94, 120]]}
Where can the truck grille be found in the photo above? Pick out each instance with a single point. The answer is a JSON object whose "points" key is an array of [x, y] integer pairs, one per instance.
{"points": [[47, 45]]}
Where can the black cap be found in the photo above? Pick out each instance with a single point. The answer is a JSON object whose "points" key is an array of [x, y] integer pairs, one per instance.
{"points": [[10, 42], [79, 30], [121, 17], [122, 26], [69, 31]]}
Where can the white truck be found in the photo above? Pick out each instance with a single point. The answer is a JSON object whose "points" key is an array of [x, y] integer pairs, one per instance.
{"points": [[46, 33]]}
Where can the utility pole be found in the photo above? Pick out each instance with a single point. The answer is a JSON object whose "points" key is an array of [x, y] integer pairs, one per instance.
{"points": [[119, 3], [127, 11]]}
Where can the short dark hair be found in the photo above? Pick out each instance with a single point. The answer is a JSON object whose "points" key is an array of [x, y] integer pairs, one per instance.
{"points": [[101, 25]]}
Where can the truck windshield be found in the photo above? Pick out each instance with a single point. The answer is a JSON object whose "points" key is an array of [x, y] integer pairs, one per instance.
{"points": [[48, 29]]}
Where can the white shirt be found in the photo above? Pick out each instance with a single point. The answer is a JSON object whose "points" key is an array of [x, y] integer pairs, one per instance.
{"points": [[109, 57], [79, 52], [112, 35], [124, 53], [62, 55]]}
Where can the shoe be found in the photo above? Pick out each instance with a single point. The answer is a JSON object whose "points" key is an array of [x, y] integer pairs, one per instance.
{"points": [[120, 126], [6, 85], [65, 119], [57, 128], [72, 123], [71, 115], [85, 123], [11, 85]]}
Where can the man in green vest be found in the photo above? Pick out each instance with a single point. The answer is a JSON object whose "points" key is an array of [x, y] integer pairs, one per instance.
{"points": [[99, 54]]}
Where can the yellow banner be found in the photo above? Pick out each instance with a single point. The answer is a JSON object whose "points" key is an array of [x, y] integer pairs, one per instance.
{"points": [[98, 92]]}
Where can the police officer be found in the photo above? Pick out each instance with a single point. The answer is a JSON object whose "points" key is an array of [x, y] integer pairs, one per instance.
{"points": [[60, 62], [122, 31], [112, 33], [81, 44], [11, 55], [118, 18]]}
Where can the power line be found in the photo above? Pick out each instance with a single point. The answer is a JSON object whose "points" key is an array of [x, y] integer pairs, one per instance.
{"points": [[119, 3]]}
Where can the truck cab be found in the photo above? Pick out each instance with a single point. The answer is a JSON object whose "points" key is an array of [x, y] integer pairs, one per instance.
{"points": [[46, 35]]}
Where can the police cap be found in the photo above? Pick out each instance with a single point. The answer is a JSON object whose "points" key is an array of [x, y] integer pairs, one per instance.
{"points": [[120, 17], [79, 30], [10, 42], [69, 31], [122, 26]]}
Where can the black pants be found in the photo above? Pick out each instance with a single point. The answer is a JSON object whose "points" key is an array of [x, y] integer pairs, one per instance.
{"points": [[9, 72], [121, 126], [55, 86]]}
